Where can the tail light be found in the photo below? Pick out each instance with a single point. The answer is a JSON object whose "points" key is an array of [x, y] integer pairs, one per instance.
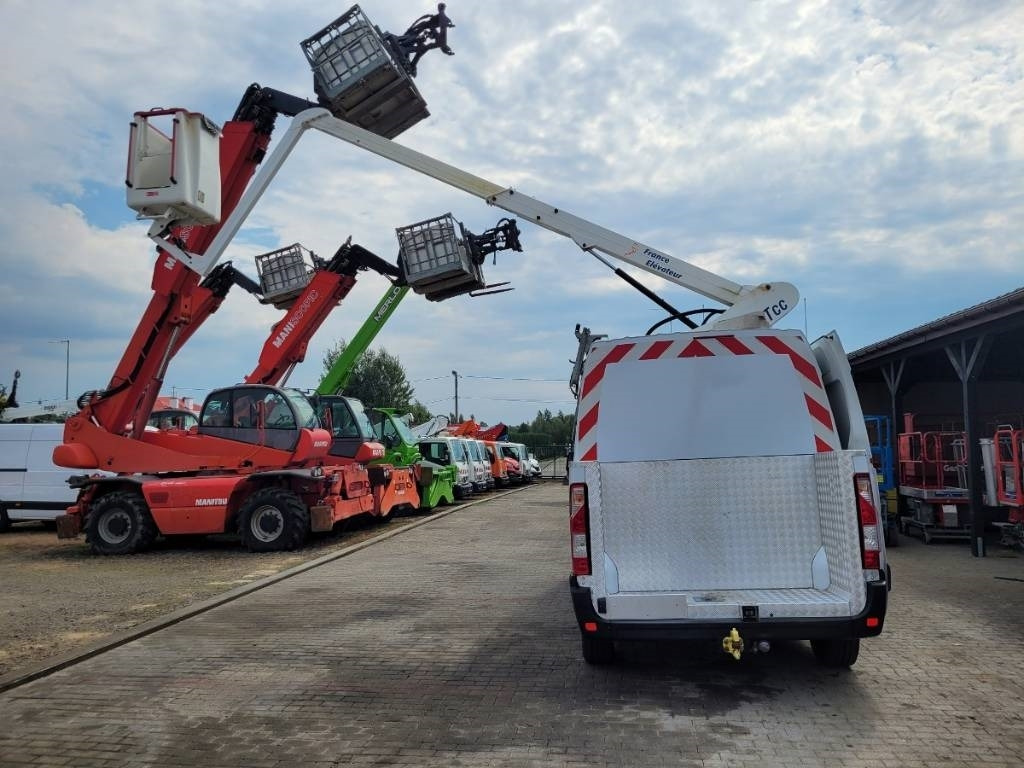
{"points": [[579, 529], [870, 536]]}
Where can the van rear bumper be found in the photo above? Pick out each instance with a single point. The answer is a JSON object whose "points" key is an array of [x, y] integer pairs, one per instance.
{"points": [[763, 629]]}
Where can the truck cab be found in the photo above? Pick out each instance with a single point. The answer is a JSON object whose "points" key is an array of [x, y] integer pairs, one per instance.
{"points": [[450, 452], [481, 469], [436, 480], [722, 488], [254, 413], [522, 456], [499, 470], [352, 433], [513, 463]]}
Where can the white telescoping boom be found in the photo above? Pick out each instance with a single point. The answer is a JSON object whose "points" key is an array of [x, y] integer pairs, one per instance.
{"points": [[34, 410], [748, 306]]}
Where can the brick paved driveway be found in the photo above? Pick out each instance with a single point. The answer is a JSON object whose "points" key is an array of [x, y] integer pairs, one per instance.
{"points": [[454, 644]]}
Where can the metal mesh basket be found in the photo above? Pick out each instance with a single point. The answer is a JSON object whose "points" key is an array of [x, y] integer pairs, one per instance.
{"points": [[435, 261], [356, 73], [283, 273], [345, 51]]}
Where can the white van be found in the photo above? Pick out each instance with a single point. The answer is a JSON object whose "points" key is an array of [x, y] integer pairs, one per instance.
{"points": [[530, 466], [535, 471], [480, 466], [722, 489], [32, 487], [480, 448]]}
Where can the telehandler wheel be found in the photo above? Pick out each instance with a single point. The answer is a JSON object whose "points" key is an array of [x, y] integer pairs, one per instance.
{"points": [[273, 519], [836, 651], [120, 524], [597, 650]]}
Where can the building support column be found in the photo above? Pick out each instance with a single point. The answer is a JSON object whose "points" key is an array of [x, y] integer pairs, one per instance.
{"points": [[968, 358], [893, 374]]}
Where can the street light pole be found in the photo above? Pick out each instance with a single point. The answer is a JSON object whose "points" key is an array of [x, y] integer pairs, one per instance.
{"points": [[67, 364], [456, 375]]}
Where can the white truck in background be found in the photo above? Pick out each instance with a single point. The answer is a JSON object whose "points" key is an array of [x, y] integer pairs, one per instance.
{"points": [[32, 487], [721, 485]]}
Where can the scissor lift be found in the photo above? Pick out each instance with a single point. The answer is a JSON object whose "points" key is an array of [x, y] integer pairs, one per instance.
{"points": [[1007, 466], [933, 479]]}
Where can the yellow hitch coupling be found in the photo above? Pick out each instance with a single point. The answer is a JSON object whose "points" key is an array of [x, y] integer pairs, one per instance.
{"points": [[733, 644]]}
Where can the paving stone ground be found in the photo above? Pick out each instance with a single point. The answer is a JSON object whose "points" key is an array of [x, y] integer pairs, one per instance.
{"points": [[454, 644]]}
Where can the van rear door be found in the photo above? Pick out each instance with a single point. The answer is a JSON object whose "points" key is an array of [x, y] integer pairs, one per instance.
{"points": [[706, 456]]}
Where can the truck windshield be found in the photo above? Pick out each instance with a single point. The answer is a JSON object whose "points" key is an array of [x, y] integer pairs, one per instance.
{"points": [[458, 452], [173, 419], [360, 415], [390, 422], [303, 410]]}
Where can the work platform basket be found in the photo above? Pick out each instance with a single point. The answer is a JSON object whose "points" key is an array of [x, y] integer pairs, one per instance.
{"points": [[174, 174], [284, 274], [360, 77], [435, 261]]}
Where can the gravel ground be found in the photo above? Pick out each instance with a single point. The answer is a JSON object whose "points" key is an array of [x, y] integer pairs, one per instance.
{"points": [[58, 597]]}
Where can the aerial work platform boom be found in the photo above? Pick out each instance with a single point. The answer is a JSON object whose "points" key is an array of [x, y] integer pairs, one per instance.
{"points": [[747, 306]]}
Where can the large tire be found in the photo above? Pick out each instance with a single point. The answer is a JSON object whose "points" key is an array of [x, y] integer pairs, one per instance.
{"points": [[836, 651], [5, 521], [597, 650], [272, 520], [120, 524]]}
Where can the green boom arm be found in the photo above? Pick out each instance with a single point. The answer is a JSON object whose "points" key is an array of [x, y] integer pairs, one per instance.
{"points": [[334, 380]]}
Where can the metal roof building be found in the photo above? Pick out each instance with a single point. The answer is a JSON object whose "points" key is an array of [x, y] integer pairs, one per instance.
{"points": [[964, 371]]}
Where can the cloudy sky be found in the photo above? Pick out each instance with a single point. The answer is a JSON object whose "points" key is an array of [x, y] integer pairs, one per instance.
{"points": [[871, 153]]}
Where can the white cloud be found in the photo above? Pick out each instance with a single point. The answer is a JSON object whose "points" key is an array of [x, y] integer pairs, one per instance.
{"points": [[782, 141]]}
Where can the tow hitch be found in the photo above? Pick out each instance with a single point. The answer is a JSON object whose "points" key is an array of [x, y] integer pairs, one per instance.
{"points": [[733, 644]]}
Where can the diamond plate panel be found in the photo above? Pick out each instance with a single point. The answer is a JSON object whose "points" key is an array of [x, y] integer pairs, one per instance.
{"points": [[840, 524], [711, 524], [592, 478]]}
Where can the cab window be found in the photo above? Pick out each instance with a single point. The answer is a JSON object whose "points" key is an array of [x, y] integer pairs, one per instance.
{"points": [[217, 410], [342, 422], [278, 414], [435, 452]]}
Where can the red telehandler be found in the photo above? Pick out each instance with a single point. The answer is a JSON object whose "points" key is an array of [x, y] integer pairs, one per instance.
{"points": [[258, 462], [310, 292]]}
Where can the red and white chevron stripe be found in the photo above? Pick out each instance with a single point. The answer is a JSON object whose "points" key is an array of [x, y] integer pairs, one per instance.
{"points": [[691, 345]]}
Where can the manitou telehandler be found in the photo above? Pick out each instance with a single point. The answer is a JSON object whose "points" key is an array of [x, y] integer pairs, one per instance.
{"points": [[310, 290], [258, 462]]}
